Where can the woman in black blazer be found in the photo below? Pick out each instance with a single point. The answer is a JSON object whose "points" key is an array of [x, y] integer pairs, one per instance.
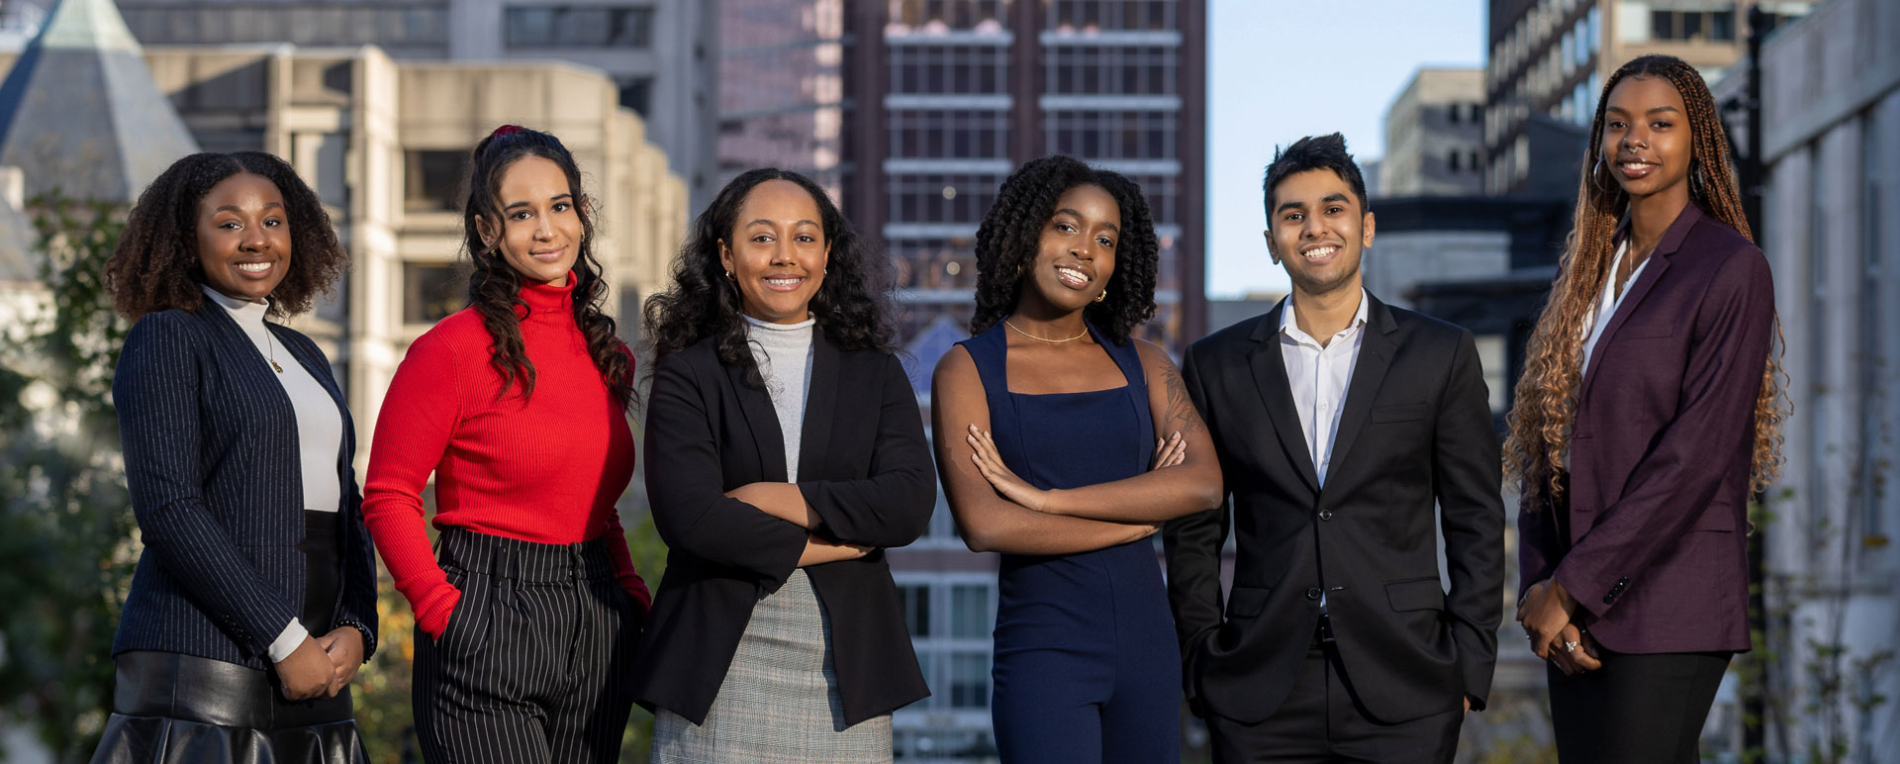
{"points": [[785, 452], [254, 600]]}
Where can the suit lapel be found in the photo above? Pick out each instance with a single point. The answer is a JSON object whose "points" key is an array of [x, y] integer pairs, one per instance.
{"points": [[1652, 272], [762, 422], [1276, 393], [1376, 348], [820, 402]]}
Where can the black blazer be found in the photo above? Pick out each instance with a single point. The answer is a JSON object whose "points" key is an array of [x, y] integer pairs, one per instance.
{"points": [[212, 461], [864, 466], [1415, 430]]}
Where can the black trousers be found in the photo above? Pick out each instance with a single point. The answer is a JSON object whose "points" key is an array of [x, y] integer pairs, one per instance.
{"points": [[1637, 709], [1323, 721], [532, 665]]}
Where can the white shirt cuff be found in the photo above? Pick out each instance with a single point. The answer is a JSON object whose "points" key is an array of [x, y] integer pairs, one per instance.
{"points": [[287, 642]]}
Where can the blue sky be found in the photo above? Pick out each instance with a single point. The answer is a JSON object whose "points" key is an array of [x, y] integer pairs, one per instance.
{"points": [[1281, 69]]}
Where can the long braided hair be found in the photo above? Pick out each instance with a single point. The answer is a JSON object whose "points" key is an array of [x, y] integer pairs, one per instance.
{"points": [[494, 287], [1547, 392]]}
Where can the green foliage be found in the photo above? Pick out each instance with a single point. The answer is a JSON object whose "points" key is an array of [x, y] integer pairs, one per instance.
{"points": [[67, 536]]}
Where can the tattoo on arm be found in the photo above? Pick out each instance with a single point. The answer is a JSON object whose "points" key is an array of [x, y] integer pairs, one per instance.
{"points": [[1181, 410]]}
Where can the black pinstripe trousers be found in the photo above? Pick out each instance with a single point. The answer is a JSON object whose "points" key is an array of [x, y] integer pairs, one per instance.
{"points": [[531, 667]]}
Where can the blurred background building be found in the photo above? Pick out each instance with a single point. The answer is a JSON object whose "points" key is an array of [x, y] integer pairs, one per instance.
{"points": [[1434, 136], [660, 56]]}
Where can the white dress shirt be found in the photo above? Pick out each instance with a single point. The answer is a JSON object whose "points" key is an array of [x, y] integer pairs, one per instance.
{"points": [[1600, 314], [319, 431], [1320, 376]]}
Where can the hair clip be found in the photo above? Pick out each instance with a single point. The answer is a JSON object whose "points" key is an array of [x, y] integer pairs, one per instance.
{"points": [[505, 130]]}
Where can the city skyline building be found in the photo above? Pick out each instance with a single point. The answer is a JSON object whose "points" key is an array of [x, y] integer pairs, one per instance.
{"points": [[1434, 136], [661, 55]]}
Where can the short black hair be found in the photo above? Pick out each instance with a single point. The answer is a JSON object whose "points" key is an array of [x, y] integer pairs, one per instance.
{"points": [[1314, 152]]}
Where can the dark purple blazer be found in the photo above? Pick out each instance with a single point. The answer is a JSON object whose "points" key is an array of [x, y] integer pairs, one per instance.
{"points": [[1660, 452]]}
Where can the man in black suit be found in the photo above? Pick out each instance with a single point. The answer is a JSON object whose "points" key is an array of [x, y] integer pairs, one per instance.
{"points": [[1338, 642]]}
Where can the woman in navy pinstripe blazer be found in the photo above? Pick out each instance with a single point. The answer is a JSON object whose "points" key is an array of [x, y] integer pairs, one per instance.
{"points": [[254, 600]]}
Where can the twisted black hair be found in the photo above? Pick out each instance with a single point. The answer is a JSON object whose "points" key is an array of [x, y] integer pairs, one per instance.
{"points": [[155, 266], [1012, 232], [852, 306], [1314, 152], [494, 287]]}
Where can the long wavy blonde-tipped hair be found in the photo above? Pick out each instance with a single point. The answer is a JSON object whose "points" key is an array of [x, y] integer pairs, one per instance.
{"points": [[1539, 422]]}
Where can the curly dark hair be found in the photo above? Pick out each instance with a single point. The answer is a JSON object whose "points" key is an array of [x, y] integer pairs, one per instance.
{"points": [[155, 266], [852, 306], [1012, 232], [494, 286]]}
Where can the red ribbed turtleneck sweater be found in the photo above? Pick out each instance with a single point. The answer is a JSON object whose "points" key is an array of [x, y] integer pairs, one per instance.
{"points": [[547, 469]]}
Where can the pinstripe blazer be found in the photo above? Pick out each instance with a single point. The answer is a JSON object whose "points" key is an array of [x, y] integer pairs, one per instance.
{"points": [[212, 462]]}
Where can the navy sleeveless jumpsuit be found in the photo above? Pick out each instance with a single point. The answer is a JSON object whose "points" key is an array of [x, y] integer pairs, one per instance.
{"points": [[1087, 669]]}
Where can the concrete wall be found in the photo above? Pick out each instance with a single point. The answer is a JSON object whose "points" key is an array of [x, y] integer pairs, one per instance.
{"points": [[1831, 91]]}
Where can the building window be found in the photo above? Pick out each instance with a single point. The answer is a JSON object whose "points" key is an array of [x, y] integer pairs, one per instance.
{"points": [[636, 93], [430, 292], [1715, 26], [588, 26], [1452, 159], [1110, 70], [1093, 15], [1096, 135], [953, 134], [432, 179], [948, 69], [936, 198], [948, 14], [935, 264], [315, 24], [952, 618]]}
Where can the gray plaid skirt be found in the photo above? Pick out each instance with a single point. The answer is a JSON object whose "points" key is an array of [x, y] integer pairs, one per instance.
{"points": [[779, 702]]}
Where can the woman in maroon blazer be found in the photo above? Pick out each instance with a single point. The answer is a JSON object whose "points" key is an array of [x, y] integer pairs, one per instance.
{"points": [[1647, 411]]}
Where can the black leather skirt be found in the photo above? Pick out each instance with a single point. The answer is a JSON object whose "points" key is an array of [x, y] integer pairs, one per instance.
{"points": [[170, 708]]}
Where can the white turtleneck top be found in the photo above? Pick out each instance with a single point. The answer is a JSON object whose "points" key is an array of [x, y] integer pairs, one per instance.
{"points": [[319, 429], [784, 352]]}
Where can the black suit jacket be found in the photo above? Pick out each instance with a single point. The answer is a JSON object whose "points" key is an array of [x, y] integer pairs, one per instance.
{"points": [[213, 465], [1415, 431], [864, 466]]}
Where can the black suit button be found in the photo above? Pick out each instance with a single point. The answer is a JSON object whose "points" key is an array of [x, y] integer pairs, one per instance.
{"points": [[1313, 593], [1325, 514], [1609, 598]]}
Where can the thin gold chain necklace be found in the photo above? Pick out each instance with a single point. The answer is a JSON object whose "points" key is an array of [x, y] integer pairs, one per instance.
{"points": [[1085, 333]]}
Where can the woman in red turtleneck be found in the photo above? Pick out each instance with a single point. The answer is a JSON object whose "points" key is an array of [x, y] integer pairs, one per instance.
{"points": [[529, 606]]}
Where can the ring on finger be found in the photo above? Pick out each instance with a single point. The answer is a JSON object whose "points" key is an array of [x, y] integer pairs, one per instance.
{"points": [[1570, 647]]}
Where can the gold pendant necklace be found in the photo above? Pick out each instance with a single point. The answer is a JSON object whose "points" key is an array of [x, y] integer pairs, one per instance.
{"points": [[271, 348], [1085, 333]]}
